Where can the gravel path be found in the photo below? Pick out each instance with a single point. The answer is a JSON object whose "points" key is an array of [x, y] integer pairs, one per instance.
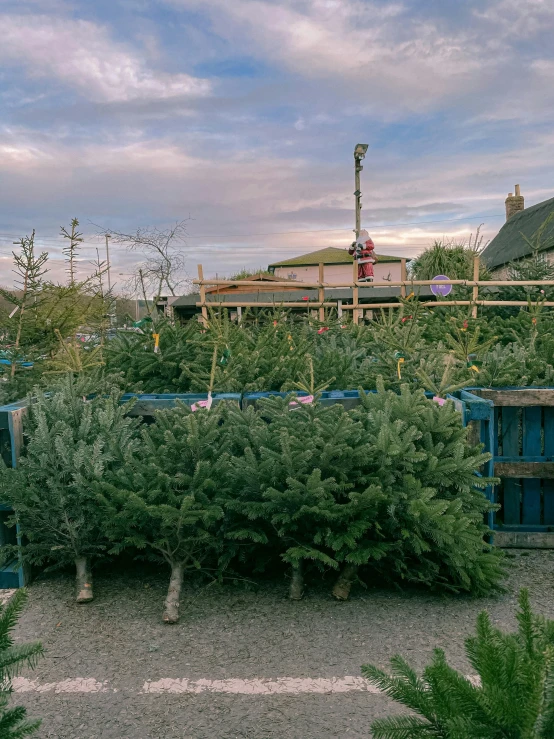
{"points": [[229, 633]]}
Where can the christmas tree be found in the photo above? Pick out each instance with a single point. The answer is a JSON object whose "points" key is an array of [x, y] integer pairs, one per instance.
{"points": [[166, 500], [74, 441]]}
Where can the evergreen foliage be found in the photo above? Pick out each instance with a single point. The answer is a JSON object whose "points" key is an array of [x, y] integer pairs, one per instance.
{"points": [[433, 523], [13, 721], [450, 258], [295, 486], [512, 696], [390, 485], [74, 441], [166, 501]]}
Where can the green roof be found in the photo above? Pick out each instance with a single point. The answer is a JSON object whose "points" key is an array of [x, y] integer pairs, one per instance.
{"points": [[509, 244], [330, 255]]}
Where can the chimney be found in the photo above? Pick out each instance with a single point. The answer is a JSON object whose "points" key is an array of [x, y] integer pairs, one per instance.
{"points": [[514, 203]]}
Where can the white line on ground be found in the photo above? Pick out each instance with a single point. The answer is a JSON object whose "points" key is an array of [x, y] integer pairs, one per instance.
{"points": [[236, 686], [261, 686], [77, 685]]}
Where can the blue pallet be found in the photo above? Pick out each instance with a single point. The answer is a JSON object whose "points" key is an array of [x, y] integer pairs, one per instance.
{"points": [[146, 404]]}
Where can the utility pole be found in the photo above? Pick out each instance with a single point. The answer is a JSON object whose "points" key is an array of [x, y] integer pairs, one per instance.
{"points": [[112, 313], [108, 237], [359, 154]]}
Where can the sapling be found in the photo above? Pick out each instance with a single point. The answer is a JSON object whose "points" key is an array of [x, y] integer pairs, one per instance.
{"points": [[74, 442]]}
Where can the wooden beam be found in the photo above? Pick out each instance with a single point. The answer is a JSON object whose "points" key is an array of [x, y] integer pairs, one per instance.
{"points": [[403, 277], [475, 293], [255, 304], [385, 283], [536, 470], [203, 295], [518, 398]]}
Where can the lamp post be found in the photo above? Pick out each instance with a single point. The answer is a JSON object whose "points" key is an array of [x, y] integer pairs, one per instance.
{"points": [[359, 154]]}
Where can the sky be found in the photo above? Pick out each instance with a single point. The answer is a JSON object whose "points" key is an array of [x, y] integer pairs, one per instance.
{"points": [[242, 117]]}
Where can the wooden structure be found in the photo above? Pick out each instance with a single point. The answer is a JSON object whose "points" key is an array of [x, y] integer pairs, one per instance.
{"points": [[523, 456], [12, 574], [323, 301]]}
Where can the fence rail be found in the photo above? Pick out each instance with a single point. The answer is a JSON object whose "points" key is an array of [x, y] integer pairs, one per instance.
{"points": [[322, 301]]}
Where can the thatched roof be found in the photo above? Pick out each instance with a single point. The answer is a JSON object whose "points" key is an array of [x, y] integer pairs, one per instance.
{"points": [[509, 245]]}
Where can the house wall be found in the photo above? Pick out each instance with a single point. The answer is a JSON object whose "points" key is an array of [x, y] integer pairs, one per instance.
{"points": [[502, 272], [338, 274]]}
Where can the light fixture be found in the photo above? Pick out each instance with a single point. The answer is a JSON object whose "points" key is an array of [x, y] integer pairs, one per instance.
{"points": [[360, 150]]}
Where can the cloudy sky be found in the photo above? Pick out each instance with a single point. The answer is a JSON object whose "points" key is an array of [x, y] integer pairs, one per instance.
{"points": [[242, 115]]}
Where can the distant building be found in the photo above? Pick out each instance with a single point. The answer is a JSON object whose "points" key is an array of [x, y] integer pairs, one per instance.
{"points": [[337, 267], [509, 244]]}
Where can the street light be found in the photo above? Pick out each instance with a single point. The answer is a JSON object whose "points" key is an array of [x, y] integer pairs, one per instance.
{"points": [[359, 154]]}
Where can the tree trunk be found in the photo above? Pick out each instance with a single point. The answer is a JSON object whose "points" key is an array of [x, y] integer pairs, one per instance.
{"points": [[297, 582], [171, 608], [341, 591], [83, 580]]}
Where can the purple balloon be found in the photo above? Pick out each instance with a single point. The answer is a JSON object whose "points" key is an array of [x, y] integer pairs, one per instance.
{"points": [[441, 290]]}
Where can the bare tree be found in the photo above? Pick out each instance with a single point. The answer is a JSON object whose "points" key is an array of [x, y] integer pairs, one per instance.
{"points": [[163, 267]]}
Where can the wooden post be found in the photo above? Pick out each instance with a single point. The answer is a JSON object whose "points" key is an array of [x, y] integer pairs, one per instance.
{"points": [[339, 308], [321, 293], [475, 295], [403, 277], [355, 313], [203, 295]]}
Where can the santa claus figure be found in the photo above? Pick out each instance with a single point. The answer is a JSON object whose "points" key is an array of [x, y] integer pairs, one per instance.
{"points": [[363, 252]]}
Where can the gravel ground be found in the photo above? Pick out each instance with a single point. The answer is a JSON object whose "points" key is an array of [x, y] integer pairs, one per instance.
{"points": [[229, 632]]}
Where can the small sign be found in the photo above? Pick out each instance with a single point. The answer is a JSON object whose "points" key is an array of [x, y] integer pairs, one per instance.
{"points": [[441, 290]]}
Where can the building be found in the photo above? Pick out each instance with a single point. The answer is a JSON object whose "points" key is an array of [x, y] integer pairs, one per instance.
{"points": [[520, 233], [337, 267]]}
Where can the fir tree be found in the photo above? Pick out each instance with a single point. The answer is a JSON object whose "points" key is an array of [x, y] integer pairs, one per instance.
{"points": [[434, 515], [166, 501], [512, 698], [295, 481], [73, 443], [13, 722]]}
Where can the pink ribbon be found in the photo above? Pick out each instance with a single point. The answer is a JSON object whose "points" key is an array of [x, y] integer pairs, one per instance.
{"points": [[304, 400], [202, 404]]}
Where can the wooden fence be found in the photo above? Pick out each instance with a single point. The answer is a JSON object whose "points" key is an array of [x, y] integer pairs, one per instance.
{"points": [[356, 307]]}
